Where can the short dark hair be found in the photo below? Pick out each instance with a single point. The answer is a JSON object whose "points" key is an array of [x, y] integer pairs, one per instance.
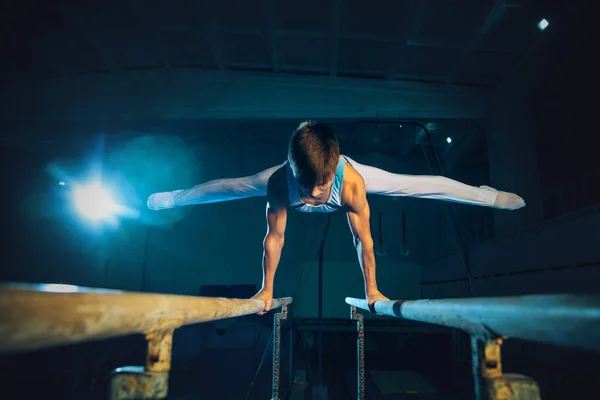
{"points": [[313, 153]]}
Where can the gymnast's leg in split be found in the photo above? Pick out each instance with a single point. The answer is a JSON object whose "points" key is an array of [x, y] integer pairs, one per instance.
{"points": [[377, 181], [381, 182], [214, 191]]}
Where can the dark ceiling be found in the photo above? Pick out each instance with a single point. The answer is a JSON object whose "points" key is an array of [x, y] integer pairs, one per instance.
{"points": [[461, 42], [115, 64]]}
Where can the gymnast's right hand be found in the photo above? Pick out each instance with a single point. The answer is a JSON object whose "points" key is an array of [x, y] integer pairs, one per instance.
{"points": [[265, 296]]}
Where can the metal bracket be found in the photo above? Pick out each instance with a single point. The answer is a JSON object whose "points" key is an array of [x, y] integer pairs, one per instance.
{"points": [[277, 350], [136, 383], [490, 382], [360, 351], [151, 381]]}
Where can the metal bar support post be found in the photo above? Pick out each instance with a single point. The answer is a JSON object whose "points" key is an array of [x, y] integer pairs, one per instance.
{"points": [[360, 352], [150, 381], [277, 350], [490, 382]]}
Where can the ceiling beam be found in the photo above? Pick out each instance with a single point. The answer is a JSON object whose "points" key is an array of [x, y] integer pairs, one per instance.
{"points": [[336, 27], [290, 33], [414, 16], [366, 74], [495, 13], [202, 17], [417, 9], [83, 29], [214, 42], [194, 94], [139, 12], [269, 31]]}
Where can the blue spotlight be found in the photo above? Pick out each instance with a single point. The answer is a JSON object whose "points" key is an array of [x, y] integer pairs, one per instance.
{"points": [[543, 24], [93, 202]]}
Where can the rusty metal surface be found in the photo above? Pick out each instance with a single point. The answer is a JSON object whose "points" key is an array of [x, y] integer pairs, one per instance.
{"points": [[566, 320], [512, 387], [158, 357], [37, 316], [151, 382], [486, 357], [489, 380], [129, 383], [486, 361], [492, 359]]}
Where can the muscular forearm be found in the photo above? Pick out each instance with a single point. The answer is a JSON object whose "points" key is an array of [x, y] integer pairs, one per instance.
{"points": [[366, 258], [271, 256]]}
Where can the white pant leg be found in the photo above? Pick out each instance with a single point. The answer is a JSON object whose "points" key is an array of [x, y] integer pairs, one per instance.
{"points": [[378, 181], [214, 191]]}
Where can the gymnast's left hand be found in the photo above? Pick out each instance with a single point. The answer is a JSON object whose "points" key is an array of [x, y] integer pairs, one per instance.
{"points": [[372, 298], [265, 296]]}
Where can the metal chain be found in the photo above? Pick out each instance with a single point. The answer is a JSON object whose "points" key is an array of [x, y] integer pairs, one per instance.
{"points": [[360, 351], [277, 350]]}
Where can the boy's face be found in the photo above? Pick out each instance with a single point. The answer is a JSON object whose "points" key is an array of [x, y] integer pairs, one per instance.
{"points": [[317, 192]]}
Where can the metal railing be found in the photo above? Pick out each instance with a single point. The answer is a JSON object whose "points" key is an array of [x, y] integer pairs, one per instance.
{"points": [[564, 320], [41, 316]]}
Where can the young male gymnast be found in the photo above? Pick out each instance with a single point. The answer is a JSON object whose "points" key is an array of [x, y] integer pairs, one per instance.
{"points": [[317, 178]]}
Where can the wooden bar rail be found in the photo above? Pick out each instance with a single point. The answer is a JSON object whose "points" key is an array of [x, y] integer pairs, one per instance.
{"points": [[564, 320], [36, 316]]}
